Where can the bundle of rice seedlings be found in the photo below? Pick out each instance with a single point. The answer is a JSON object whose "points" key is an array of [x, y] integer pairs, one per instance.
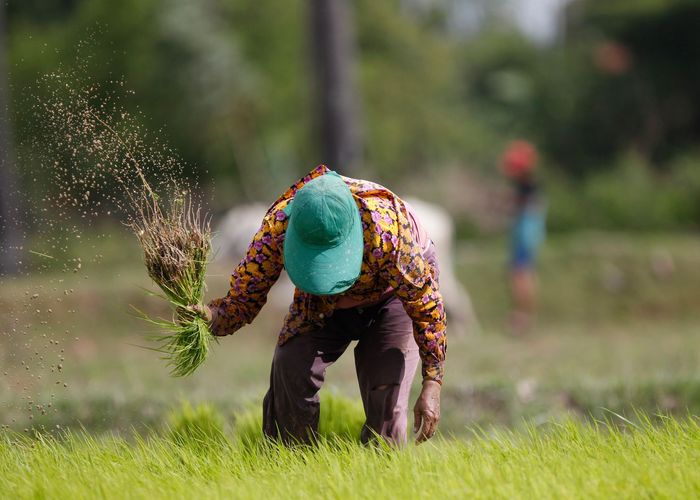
{"points": [[174, 235], [176, 243]]}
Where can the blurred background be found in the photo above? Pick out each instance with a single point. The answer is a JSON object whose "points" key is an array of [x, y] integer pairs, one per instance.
{"points": [[422, 96]]}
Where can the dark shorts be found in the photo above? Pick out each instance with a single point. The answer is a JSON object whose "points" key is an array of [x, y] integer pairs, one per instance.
{"points": [[526, 237]]}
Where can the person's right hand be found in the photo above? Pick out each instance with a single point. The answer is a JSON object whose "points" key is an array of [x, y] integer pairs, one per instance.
{"points": [[189, 312], [427, 411]]}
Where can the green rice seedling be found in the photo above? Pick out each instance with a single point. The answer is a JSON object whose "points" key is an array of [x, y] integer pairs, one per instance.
{"points": [[568, 460], [200, 426], [340, 417], [176, 245]]}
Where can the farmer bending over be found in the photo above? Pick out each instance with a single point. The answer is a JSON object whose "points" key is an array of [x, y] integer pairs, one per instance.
{"points": [[364, 270]]}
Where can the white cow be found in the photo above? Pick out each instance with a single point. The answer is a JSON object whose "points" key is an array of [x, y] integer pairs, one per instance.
{"points": [[441, 229], [236, 229]]}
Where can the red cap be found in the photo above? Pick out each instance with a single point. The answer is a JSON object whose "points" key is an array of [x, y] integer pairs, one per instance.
{"points": [[518, 158]]}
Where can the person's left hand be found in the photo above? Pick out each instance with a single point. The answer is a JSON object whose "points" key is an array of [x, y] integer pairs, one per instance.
{"points": [[427, 411]]}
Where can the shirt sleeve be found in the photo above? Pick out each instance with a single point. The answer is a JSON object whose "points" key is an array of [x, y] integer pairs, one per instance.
{"points": [[253, 277], [415, 281]]}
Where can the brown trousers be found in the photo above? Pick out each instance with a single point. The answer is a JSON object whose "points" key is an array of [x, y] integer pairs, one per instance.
{"points": [[386, 357]]}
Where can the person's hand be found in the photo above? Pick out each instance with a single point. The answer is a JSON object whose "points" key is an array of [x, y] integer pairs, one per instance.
{"points": [[427, 411], [188, 313]]}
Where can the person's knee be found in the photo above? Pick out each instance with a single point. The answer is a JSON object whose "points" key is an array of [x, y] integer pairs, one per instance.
{"points": [[384, 399]]}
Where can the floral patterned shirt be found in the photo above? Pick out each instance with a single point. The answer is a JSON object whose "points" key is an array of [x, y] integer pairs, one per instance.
{"points": [[392, 260]]}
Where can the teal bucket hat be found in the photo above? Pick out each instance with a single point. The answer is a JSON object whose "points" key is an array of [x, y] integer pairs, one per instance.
{"points": [[323, 245]]}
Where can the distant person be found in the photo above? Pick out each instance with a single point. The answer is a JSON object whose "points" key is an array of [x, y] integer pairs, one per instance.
{"points": [[527, 232], [364, 269]]}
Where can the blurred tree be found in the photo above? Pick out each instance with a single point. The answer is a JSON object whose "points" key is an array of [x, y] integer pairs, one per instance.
{"points": [[416, 116], [277, 123], [9, 209], [230, 83], [164, 52], [333, 47], [633, 83], [656, 43]]}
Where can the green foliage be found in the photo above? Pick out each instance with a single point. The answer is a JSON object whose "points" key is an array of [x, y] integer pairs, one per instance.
{"points": [[632, 195], [411, 92], [167, 51], [230, 86], [651, 102]]}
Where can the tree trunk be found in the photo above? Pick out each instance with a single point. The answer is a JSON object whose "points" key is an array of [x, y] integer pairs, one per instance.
{"points": [[333, 48], [9, 211]]}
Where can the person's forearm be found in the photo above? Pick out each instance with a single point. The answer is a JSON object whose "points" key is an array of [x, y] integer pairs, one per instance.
{"points": [[250, 281], [431, 336], [430, 332]]}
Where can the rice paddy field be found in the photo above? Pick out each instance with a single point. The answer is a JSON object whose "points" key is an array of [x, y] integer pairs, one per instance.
{"points": [[566, 461], [600, 400]]}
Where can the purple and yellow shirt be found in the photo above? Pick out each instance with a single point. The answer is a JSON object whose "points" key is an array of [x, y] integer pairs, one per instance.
{"points": [[392, 260]]}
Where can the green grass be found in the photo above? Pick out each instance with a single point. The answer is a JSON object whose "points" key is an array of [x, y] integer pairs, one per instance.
{"points": [[569, 460]]}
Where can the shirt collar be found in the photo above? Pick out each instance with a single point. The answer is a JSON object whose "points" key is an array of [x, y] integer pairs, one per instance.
{"points": [[289, 193]]}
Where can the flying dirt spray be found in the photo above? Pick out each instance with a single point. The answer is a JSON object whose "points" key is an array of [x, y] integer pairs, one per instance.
{"points": [[100, 146]]}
